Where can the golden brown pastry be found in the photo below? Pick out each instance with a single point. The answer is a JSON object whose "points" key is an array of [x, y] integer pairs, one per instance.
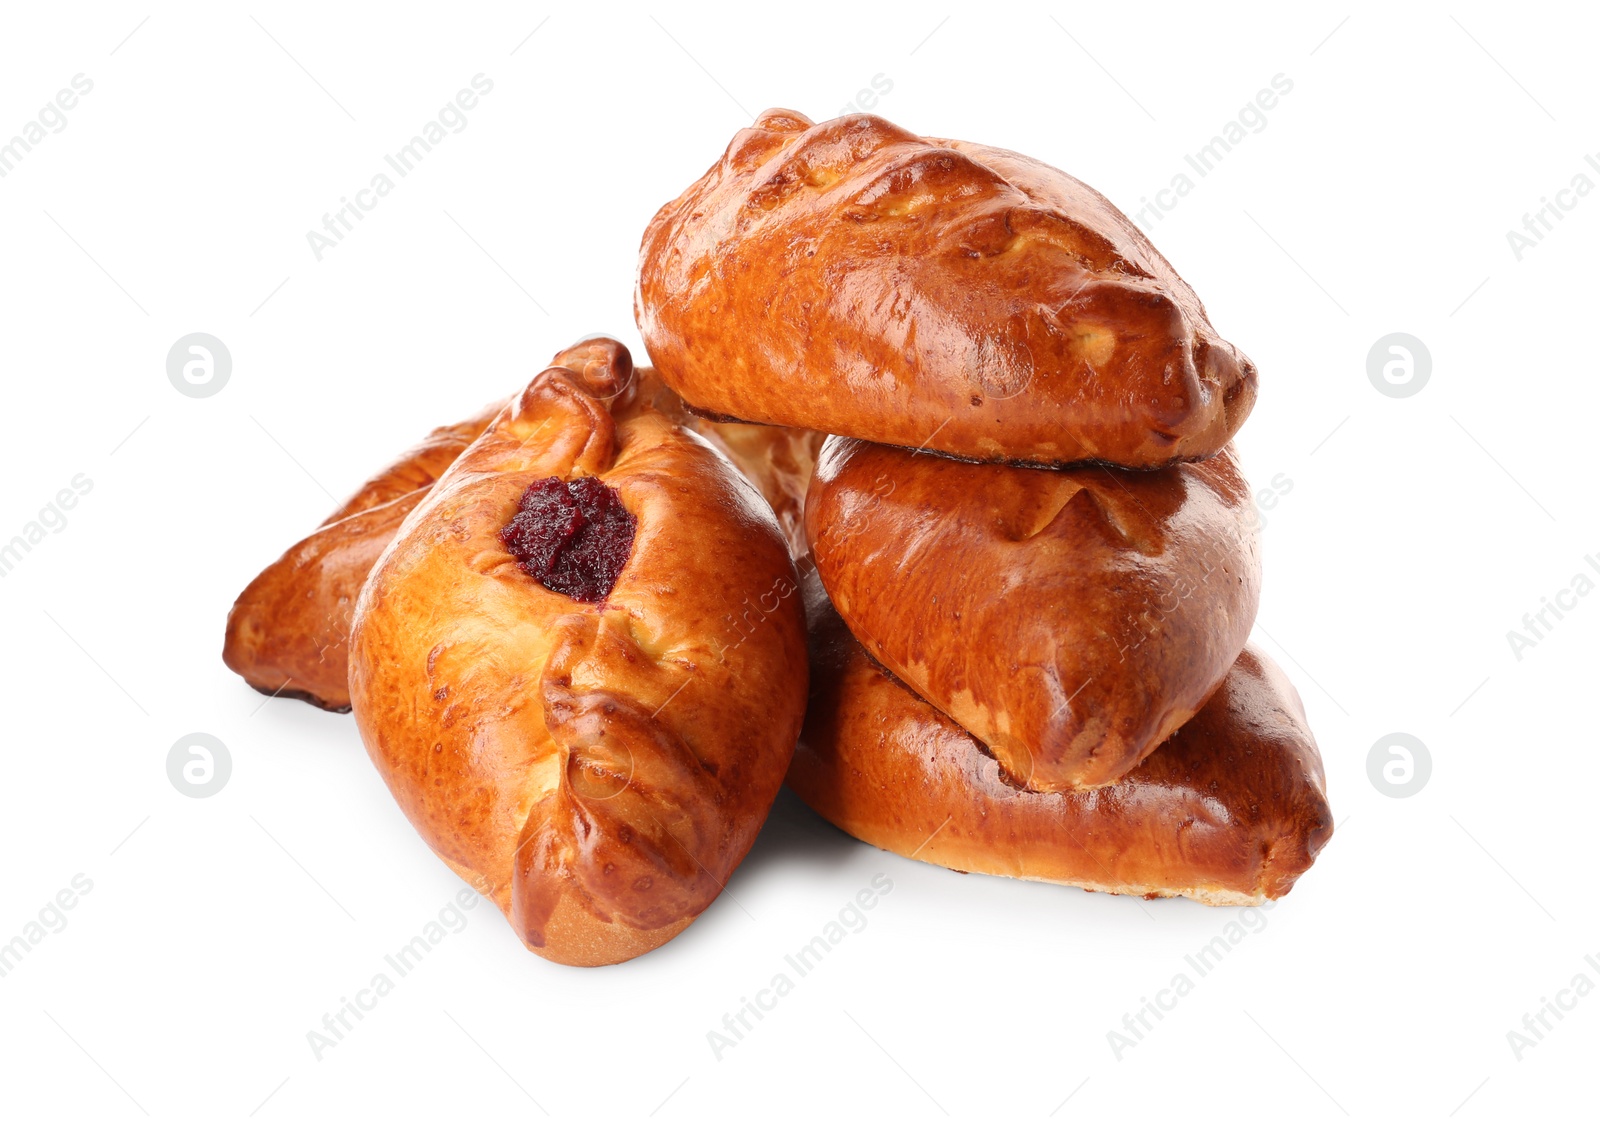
{"points": [[1230, 810], [288, 630], [778, 461], [287, 633], [855, 278], [1070, 619], [580, 667]]}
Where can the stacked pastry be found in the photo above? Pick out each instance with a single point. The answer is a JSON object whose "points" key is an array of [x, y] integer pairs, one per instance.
{"points": [[1037, 556], [573, 628]]}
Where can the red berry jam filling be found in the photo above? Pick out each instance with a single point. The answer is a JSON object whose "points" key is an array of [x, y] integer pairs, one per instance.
{"points": [[571, 537]]}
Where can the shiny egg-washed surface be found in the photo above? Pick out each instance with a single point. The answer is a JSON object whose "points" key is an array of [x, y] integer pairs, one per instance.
{"points": [[855, 278], [598, 769], [288, 632], [1230, 810], [1071, 619]]}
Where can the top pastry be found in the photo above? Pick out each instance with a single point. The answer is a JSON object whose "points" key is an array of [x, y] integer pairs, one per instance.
{"points": [[858, 279]]}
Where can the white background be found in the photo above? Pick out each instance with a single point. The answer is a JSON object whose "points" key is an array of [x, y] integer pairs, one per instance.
{"points": [[1417, 533]]}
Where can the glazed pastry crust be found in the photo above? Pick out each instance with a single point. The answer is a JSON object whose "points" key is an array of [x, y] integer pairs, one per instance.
{"points": [[288, 632], [1070, 619], [778, 461], [1231, 810], [855, 278], [597, 769]]}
